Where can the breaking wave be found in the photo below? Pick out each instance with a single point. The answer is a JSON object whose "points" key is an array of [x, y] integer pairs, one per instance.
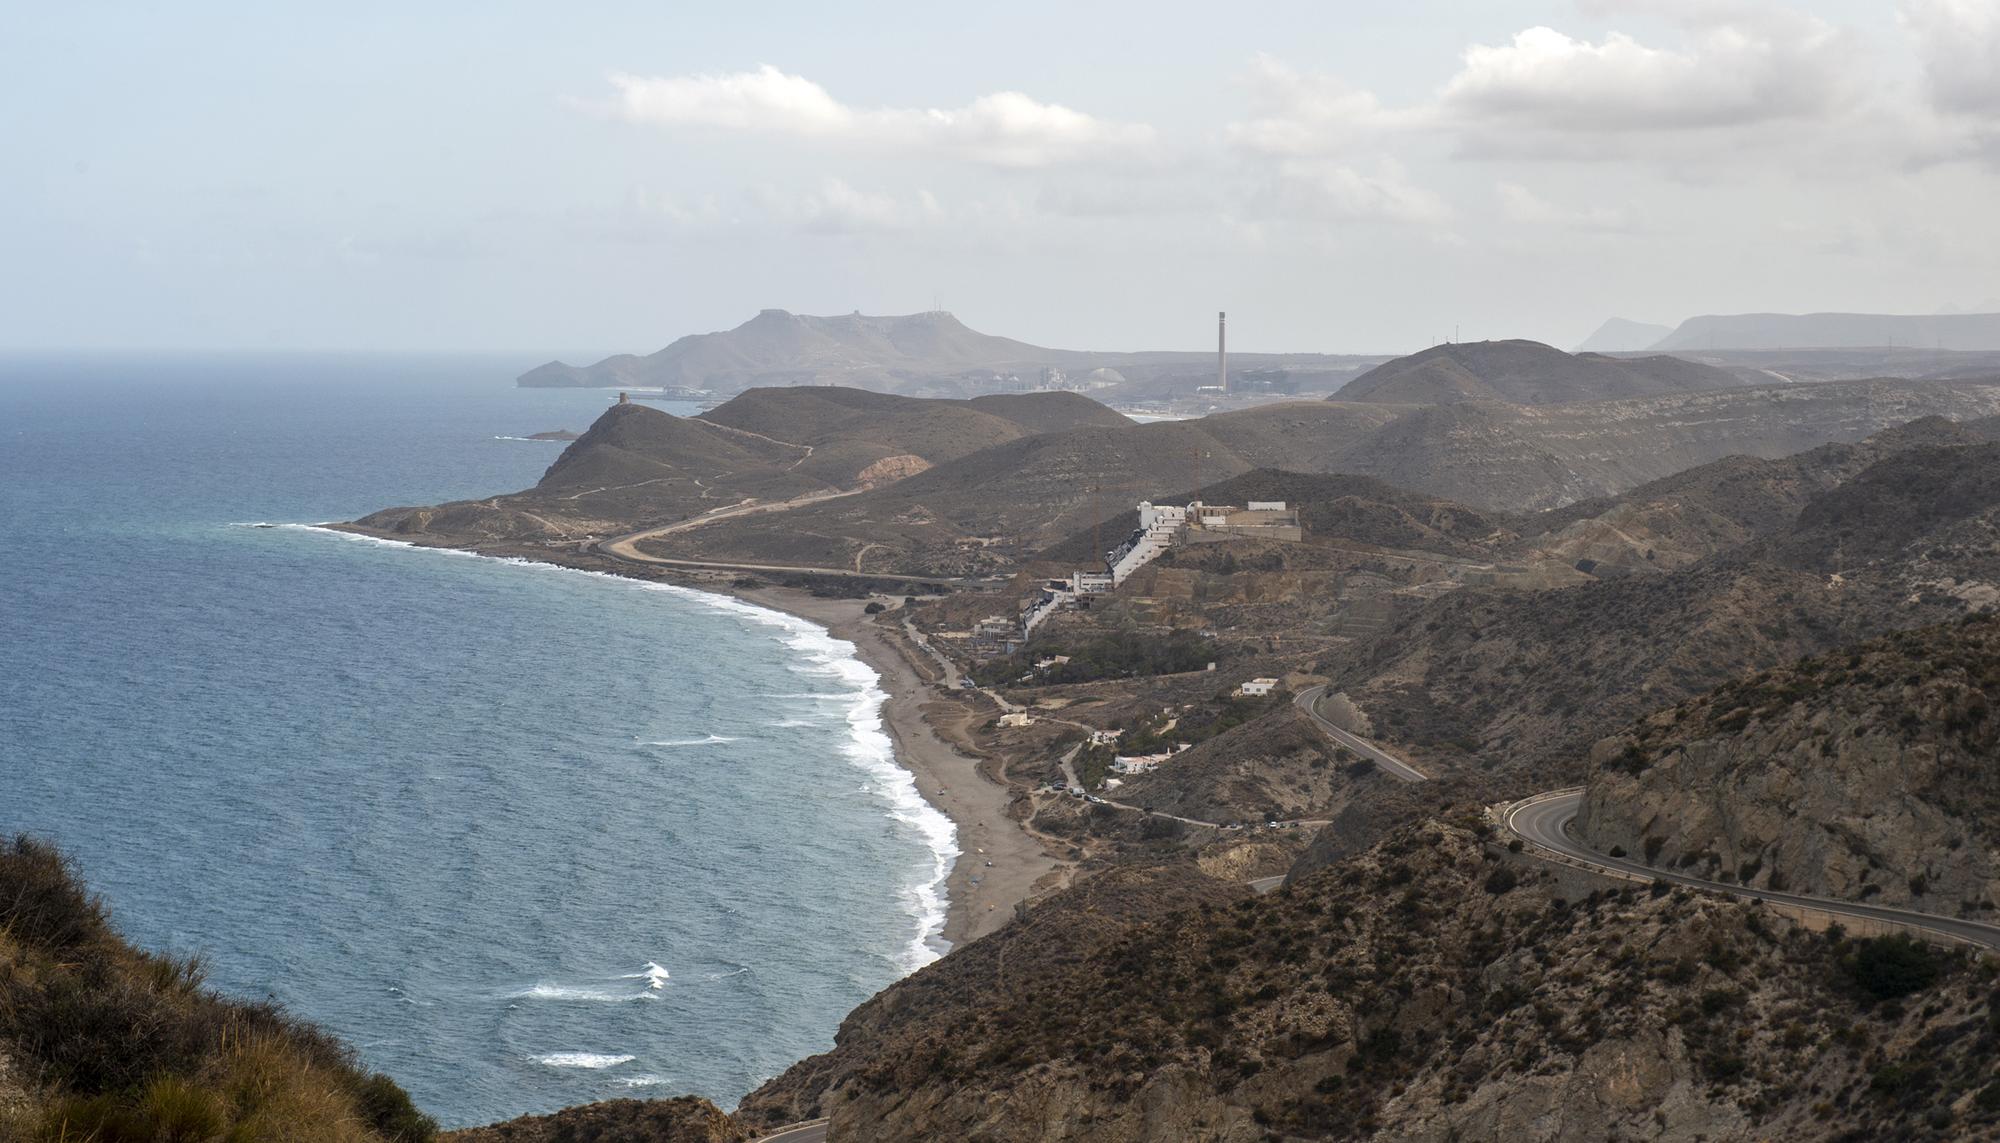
{"points": [[710, 740], [583, 1060]]}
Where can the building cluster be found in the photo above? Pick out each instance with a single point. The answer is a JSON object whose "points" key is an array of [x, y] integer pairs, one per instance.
{"points": [[1161, 527]]}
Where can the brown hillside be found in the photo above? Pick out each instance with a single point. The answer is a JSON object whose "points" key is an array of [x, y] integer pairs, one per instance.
{"points": [[1867, 774], [1428, 989], [1526, 373], [1526, 681]]}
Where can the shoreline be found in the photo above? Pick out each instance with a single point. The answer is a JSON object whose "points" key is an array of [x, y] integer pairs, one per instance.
{"points": [[979, 897], [999, 864]]}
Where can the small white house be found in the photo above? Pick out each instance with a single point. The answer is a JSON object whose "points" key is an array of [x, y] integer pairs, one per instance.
{"points": [[1265, 506], [1104, 737], [1014, 718], [1257, 687]]}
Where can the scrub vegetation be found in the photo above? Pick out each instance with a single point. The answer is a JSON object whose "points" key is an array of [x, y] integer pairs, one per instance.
{"points": [[104, 1043]]}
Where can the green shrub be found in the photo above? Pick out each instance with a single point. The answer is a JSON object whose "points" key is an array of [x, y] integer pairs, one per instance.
{"points": [[388, 1109], [42, 903], [1888, 967]]}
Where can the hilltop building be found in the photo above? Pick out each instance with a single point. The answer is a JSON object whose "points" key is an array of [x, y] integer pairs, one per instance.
{"points": [[1161, 527]]}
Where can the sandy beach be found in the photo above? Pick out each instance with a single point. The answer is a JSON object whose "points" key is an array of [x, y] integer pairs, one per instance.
{"points": [[1000, 864]]}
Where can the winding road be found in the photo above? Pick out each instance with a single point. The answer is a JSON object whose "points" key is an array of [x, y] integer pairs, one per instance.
{"points": [[1544, 821], [1308, 701], [811, 1131]]}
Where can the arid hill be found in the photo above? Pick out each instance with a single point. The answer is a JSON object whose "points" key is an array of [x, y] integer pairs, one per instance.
{"points": [[1336, 507], [1867, 773], [851, 430], [637, 465], [1525, 681], [1526, 373], [1430, 988], [1020, 497], [1670, 523], [687, 1119]]}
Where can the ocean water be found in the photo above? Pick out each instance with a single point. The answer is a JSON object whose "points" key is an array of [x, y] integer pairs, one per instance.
{"points": [[526, 837]]}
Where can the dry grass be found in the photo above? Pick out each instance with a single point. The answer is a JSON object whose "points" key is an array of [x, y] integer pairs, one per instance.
{"points": [[116, 1045]]}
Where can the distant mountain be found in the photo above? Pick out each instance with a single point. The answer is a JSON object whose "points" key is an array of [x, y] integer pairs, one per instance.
{"points": [[1835, 331], [1619, 335], [780, 348], [1525, 373], [927, 355]]}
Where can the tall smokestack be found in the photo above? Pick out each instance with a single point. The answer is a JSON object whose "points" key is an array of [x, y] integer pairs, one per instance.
{"points": [[1222, 350]]}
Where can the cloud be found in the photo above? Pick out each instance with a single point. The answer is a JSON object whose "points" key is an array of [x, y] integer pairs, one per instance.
{"points": [[1745, 75], [1295, 114], [1006, 129], [1523, 207], [1958, 44], [1734, 74], [1329, 191]]}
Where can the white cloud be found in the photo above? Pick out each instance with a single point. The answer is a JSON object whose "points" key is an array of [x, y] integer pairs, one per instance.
{"points": [[1733, 74], [1295, 114], [1958, 43], [1005, 129], [1523, 207]]}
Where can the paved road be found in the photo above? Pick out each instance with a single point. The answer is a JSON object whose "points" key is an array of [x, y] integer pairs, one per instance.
{"points": [[1544, 820], [813, 1131], [1308, 701], [625, 547]]}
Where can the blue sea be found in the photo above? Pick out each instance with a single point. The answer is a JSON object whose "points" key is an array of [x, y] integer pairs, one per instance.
{"points": [[525, 836]]}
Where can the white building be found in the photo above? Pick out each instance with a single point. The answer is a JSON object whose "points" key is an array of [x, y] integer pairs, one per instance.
{"points": [[1257, 687]]}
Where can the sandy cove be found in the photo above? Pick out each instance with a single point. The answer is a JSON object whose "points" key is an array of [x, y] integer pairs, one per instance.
{"points": [[999, 865], [979, 897]]}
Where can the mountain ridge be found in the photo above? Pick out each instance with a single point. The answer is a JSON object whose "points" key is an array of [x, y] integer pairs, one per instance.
{"points": [[1522, 372]]}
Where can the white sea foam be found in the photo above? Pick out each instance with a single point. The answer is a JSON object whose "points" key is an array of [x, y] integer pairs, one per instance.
{"points": [[647, 1080], [537, 440], [868, 748], [575, 992], [583, 1060], [655, 977], [709, 740]]}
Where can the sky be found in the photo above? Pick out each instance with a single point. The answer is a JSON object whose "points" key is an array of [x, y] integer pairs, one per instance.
{"points": [[578, 179]]}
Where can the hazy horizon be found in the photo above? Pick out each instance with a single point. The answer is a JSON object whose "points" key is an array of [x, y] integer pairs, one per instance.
{"points": [[367, 178]]}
